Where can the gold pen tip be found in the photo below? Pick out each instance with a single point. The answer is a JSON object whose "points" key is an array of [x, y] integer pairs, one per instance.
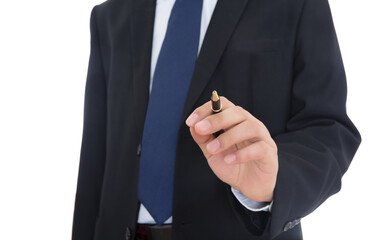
{"points": [[214, 96]]}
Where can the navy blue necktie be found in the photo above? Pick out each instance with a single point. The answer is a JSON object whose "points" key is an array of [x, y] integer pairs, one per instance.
{"points": [[171, 80]]}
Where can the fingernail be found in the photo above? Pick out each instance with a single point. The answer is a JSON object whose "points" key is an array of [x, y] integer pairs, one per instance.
{"points": [[213, 146], [230, 158], [203, 126], [192, 119]]}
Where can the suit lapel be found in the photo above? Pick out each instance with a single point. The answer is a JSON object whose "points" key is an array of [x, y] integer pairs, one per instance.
{"points": [[142, 24], [223, 22]]}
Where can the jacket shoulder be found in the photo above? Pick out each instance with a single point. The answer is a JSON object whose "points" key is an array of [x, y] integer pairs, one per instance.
{"points": [[110, 8]]}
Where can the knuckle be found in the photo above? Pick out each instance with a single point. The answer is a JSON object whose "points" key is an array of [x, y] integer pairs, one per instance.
{"points": [[240, 113], [251, 129], [239, 110], [263, 148], [256, 123], [261, 125], [273, 151], [248, 154]]}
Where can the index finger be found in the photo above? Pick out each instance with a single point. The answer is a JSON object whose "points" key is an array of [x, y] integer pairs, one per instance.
{"points": [[204, 110]]}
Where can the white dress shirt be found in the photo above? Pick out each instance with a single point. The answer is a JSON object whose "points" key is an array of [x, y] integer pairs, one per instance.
{"points": [[163, 10]]}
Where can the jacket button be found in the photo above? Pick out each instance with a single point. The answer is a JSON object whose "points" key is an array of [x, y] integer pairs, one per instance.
{"points": [[288, 226], [296, 222], [291, 225], [128, 235], [139, 149]]}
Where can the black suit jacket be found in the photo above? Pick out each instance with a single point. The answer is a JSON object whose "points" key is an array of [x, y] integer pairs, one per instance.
{"points": [[278, 59]]}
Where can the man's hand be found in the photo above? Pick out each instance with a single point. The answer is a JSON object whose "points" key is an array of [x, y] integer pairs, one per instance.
{"points": [[244, 156]]}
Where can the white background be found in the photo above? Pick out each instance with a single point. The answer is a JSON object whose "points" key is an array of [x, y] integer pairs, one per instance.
{"points": [[44, 50]]}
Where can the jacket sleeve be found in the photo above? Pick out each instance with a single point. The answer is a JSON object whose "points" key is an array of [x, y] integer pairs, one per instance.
{"points": [[320, 140], [92, 156]]}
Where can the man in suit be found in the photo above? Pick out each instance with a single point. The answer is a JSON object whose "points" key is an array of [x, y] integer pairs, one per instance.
{"points": [[148, 124]]}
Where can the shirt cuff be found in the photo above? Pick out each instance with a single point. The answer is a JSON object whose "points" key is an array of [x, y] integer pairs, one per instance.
{"points": [[250, 204]]}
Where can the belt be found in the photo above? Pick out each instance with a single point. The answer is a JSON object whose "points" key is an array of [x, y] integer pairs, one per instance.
{"points": [[153, 232]]}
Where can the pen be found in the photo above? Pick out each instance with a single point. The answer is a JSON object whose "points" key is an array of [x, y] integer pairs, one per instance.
{"points": [[216, 107]]}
